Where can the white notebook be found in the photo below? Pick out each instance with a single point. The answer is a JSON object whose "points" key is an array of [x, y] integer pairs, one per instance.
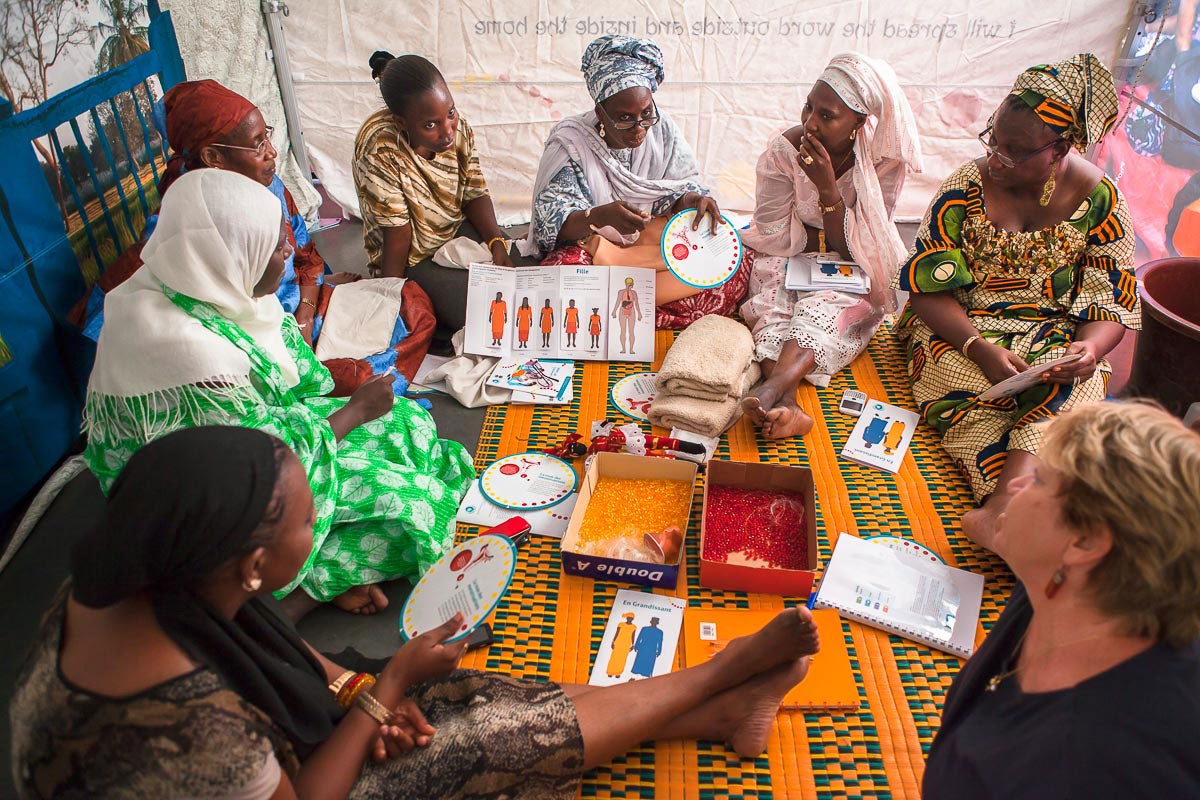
{"points": [[923, 600]]}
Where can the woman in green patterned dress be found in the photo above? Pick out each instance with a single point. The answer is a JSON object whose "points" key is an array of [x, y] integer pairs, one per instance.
{"points": [[197, 337], [1024, 256]]}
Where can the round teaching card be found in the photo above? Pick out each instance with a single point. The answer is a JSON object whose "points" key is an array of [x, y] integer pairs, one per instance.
{"points": [[471, 578], [701, 258], [527, 481], [633, 394], [902, 545]]}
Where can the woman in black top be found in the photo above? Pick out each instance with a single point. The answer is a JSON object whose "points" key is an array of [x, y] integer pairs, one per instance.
{"points": [[1089, 685]]}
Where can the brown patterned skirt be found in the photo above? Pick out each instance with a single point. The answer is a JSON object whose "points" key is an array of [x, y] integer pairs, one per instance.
{"points": [[496, 737]]}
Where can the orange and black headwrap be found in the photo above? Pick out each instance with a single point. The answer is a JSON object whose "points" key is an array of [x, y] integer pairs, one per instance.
{"points": [[1075, 98]]}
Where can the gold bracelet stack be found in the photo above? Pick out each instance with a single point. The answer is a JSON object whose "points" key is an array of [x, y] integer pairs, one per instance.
{"points": [[352, 688]]}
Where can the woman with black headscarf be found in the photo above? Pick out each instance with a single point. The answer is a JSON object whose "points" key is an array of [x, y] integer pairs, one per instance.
{"points": [[164, 670]]}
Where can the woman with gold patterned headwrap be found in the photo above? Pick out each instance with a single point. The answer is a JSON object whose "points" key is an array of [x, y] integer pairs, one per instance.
{"points": [[1025, 255]]}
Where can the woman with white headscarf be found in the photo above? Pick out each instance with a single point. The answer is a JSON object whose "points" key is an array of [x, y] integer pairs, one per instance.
{"points": [[828, 184], [618, 170], [198, 337]]}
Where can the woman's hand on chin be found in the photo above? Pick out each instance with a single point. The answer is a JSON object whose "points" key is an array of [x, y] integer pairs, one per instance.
{"points": [[703, 205]]}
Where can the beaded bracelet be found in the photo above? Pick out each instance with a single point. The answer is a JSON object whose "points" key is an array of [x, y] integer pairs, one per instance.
{"points": [[367, 702], [346, 695]]}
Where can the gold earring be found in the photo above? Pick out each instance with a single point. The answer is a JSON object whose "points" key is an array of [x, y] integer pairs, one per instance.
{"points": [[853, 133], [252, 585], [601, 130], [1048, 189]]}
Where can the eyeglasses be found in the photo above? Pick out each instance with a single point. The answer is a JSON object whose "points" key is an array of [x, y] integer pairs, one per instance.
{"points": [[985, 139], [644, 122], [258, 149]]}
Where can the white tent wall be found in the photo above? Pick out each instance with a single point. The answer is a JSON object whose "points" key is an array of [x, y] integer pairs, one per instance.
{"points": [[226, 40], [735, 73]]}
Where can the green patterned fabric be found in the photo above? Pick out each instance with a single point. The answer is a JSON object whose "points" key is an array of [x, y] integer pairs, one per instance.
{"points": [[386, 495]]}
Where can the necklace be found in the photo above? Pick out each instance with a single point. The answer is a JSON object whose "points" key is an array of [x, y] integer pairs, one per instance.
{"points": [[994, 682], [845, 159]]}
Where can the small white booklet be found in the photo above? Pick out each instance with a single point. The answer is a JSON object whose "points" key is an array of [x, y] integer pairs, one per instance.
{"points": [[904, 594], [573, 312], [881, 436], [1025, 380], [811, 272], [549, 379], [640, 639]]}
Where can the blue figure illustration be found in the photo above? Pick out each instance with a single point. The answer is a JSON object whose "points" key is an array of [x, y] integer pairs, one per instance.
{"points": [[836, 269], [875, 431], [648, 647]]}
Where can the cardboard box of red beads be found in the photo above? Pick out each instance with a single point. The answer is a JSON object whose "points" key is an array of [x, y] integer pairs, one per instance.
{"points": [[654, 494], [758, 532]]}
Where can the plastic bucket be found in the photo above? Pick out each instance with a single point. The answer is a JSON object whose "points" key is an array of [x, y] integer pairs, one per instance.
{"points": [[1166, 364]]}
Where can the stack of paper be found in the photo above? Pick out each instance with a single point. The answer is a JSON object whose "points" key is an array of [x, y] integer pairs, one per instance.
{"points": [[535, 380], [812, 272]]}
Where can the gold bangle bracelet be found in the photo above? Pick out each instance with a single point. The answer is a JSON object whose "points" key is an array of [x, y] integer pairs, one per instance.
{"points": [[830, 209], [967, 345], [340, 681], [495, 239], [304, 301], [367, 702]]}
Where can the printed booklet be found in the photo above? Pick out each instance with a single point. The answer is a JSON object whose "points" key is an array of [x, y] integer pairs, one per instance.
{"points": [[640, 639], [881, 436], [588, 313]]}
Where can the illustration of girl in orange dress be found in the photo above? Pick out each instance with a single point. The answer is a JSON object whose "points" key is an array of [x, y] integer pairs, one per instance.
{"points": [[546, 323], [524, 323], [571, 322], [594, 327], [498, 316]]}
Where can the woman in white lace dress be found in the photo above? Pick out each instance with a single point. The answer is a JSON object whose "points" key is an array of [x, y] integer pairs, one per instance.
{"points": [[828, 184]]}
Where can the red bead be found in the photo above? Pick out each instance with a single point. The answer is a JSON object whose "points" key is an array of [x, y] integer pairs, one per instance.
{"points": [[767, 526]]}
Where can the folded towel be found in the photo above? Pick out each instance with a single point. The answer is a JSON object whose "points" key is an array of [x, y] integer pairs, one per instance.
{"points": [[709, 418], [707, 360], [461, 253]]}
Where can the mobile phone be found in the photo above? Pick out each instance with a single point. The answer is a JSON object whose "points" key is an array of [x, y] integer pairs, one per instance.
{"points": [[516, 529], [480, 637], [852, 403]]}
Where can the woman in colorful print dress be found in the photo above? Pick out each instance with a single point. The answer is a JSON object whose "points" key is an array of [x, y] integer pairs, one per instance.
{"points": [[197, 337], [1024, 256]]}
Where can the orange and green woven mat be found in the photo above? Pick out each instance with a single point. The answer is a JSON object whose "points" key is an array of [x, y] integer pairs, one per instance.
{"points": [[550, 624]]}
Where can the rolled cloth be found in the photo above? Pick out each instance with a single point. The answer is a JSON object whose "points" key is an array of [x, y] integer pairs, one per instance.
{"points": [[1075, 98], [184, 506], [199, 113], [707, 360], [706, 417], [614, 63]]}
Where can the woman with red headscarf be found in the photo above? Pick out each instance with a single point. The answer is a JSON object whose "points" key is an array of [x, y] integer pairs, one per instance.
{"points": [[209, 125]]}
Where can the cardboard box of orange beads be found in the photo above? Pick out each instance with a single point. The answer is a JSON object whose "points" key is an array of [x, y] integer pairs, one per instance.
{"points": [[741, 574], [626, 467]]}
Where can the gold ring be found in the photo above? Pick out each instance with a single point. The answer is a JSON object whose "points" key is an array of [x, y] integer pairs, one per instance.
{"points": [[806, 159]]}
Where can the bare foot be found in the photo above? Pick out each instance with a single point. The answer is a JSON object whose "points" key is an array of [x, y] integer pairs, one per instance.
{"points": [[364, 600], [786, 420], [790, 635], [761, 699], [753, 409]]}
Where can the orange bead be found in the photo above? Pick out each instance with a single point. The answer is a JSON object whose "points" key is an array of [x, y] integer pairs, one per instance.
{"points": [[626, 507]]}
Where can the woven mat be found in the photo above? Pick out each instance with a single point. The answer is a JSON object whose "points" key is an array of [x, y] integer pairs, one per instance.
{"points": [[550, 624]]}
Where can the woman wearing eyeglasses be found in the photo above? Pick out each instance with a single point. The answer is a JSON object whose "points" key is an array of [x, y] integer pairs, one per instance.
{"points": [[1024, 256], [616, 172], [212, 127]]}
